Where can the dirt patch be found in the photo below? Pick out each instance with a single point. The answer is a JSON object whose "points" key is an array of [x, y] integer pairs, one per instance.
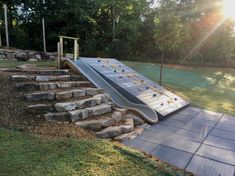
{"points": [[53, 130], [13, 115]]}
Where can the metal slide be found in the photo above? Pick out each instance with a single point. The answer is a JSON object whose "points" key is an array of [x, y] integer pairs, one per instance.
{"points": [[148, 113]]}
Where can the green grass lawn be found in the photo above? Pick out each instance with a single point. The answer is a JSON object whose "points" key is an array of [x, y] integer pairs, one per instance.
{"points": [[13, 64], [210, 88], [22, 154]]}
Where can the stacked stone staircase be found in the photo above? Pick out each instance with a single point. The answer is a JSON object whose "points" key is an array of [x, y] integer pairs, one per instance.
{"points": [[61, 96]]}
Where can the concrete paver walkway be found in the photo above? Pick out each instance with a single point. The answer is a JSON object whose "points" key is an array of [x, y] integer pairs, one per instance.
{"points": [[200, 141]]}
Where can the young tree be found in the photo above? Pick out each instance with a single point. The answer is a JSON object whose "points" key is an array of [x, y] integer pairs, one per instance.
{"points": [[168, 33]]}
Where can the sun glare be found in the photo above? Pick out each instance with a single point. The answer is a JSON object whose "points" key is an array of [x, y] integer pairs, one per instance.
{"points": [[229, 8]]}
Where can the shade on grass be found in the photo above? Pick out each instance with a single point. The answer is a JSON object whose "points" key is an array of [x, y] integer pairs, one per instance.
{"points": [[22, 154], [210, 88]]}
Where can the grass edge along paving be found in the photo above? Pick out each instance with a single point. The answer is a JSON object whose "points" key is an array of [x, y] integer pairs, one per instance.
{"points": [[23, 154]]}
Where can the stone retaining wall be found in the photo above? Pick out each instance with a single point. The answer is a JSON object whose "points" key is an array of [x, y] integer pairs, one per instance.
{"points": [[25, 55]]}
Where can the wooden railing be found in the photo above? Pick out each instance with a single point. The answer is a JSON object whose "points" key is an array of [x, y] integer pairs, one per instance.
{"points": [[60, 47]]}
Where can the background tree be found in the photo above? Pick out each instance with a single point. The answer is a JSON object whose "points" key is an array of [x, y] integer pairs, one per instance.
{"points": [[127, 29], [168, 33]]}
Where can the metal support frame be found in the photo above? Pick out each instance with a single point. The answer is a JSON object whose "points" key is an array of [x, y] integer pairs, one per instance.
{"points": [[60, 47]]}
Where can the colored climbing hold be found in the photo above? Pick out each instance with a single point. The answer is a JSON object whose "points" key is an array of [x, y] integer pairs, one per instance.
{"points": [[154, 95]]}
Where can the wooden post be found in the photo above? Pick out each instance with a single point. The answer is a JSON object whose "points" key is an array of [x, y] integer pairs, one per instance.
{"points": [[61, 47], [78, 52], [59, 55], [6, 25], [75, 50]]}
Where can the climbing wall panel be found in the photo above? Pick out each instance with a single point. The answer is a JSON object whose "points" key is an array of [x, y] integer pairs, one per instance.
{"points": [[138, 86]]}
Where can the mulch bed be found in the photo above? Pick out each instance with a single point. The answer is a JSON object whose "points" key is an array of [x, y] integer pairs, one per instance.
{"points": [[13, 115]]}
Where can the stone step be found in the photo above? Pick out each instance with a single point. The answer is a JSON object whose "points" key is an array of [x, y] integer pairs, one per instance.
{"points": [[40, 78], [137, 120], [60, 95], [41, 108], [82, 114], [130, 136], [99, 110], [40, 72], [72, 84], [27, 86], [114, 131], [70, 106], [77, 78], [78, 115], [40, 96], [46, 78], [30, 86], [93, 91], [23, 78], [93, 125], [97, 125], [52, 78], [57, 117], [64, 95]]}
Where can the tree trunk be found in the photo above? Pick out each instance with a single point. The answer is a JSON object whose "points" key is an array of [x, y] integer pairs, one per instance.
{"points": [[161, 67]]}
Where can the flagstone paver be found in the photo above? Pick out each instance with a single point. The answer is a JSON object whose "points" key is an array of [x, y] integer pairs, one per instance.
{"points": [[174, 156], [204, 166], [198, 140]]}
